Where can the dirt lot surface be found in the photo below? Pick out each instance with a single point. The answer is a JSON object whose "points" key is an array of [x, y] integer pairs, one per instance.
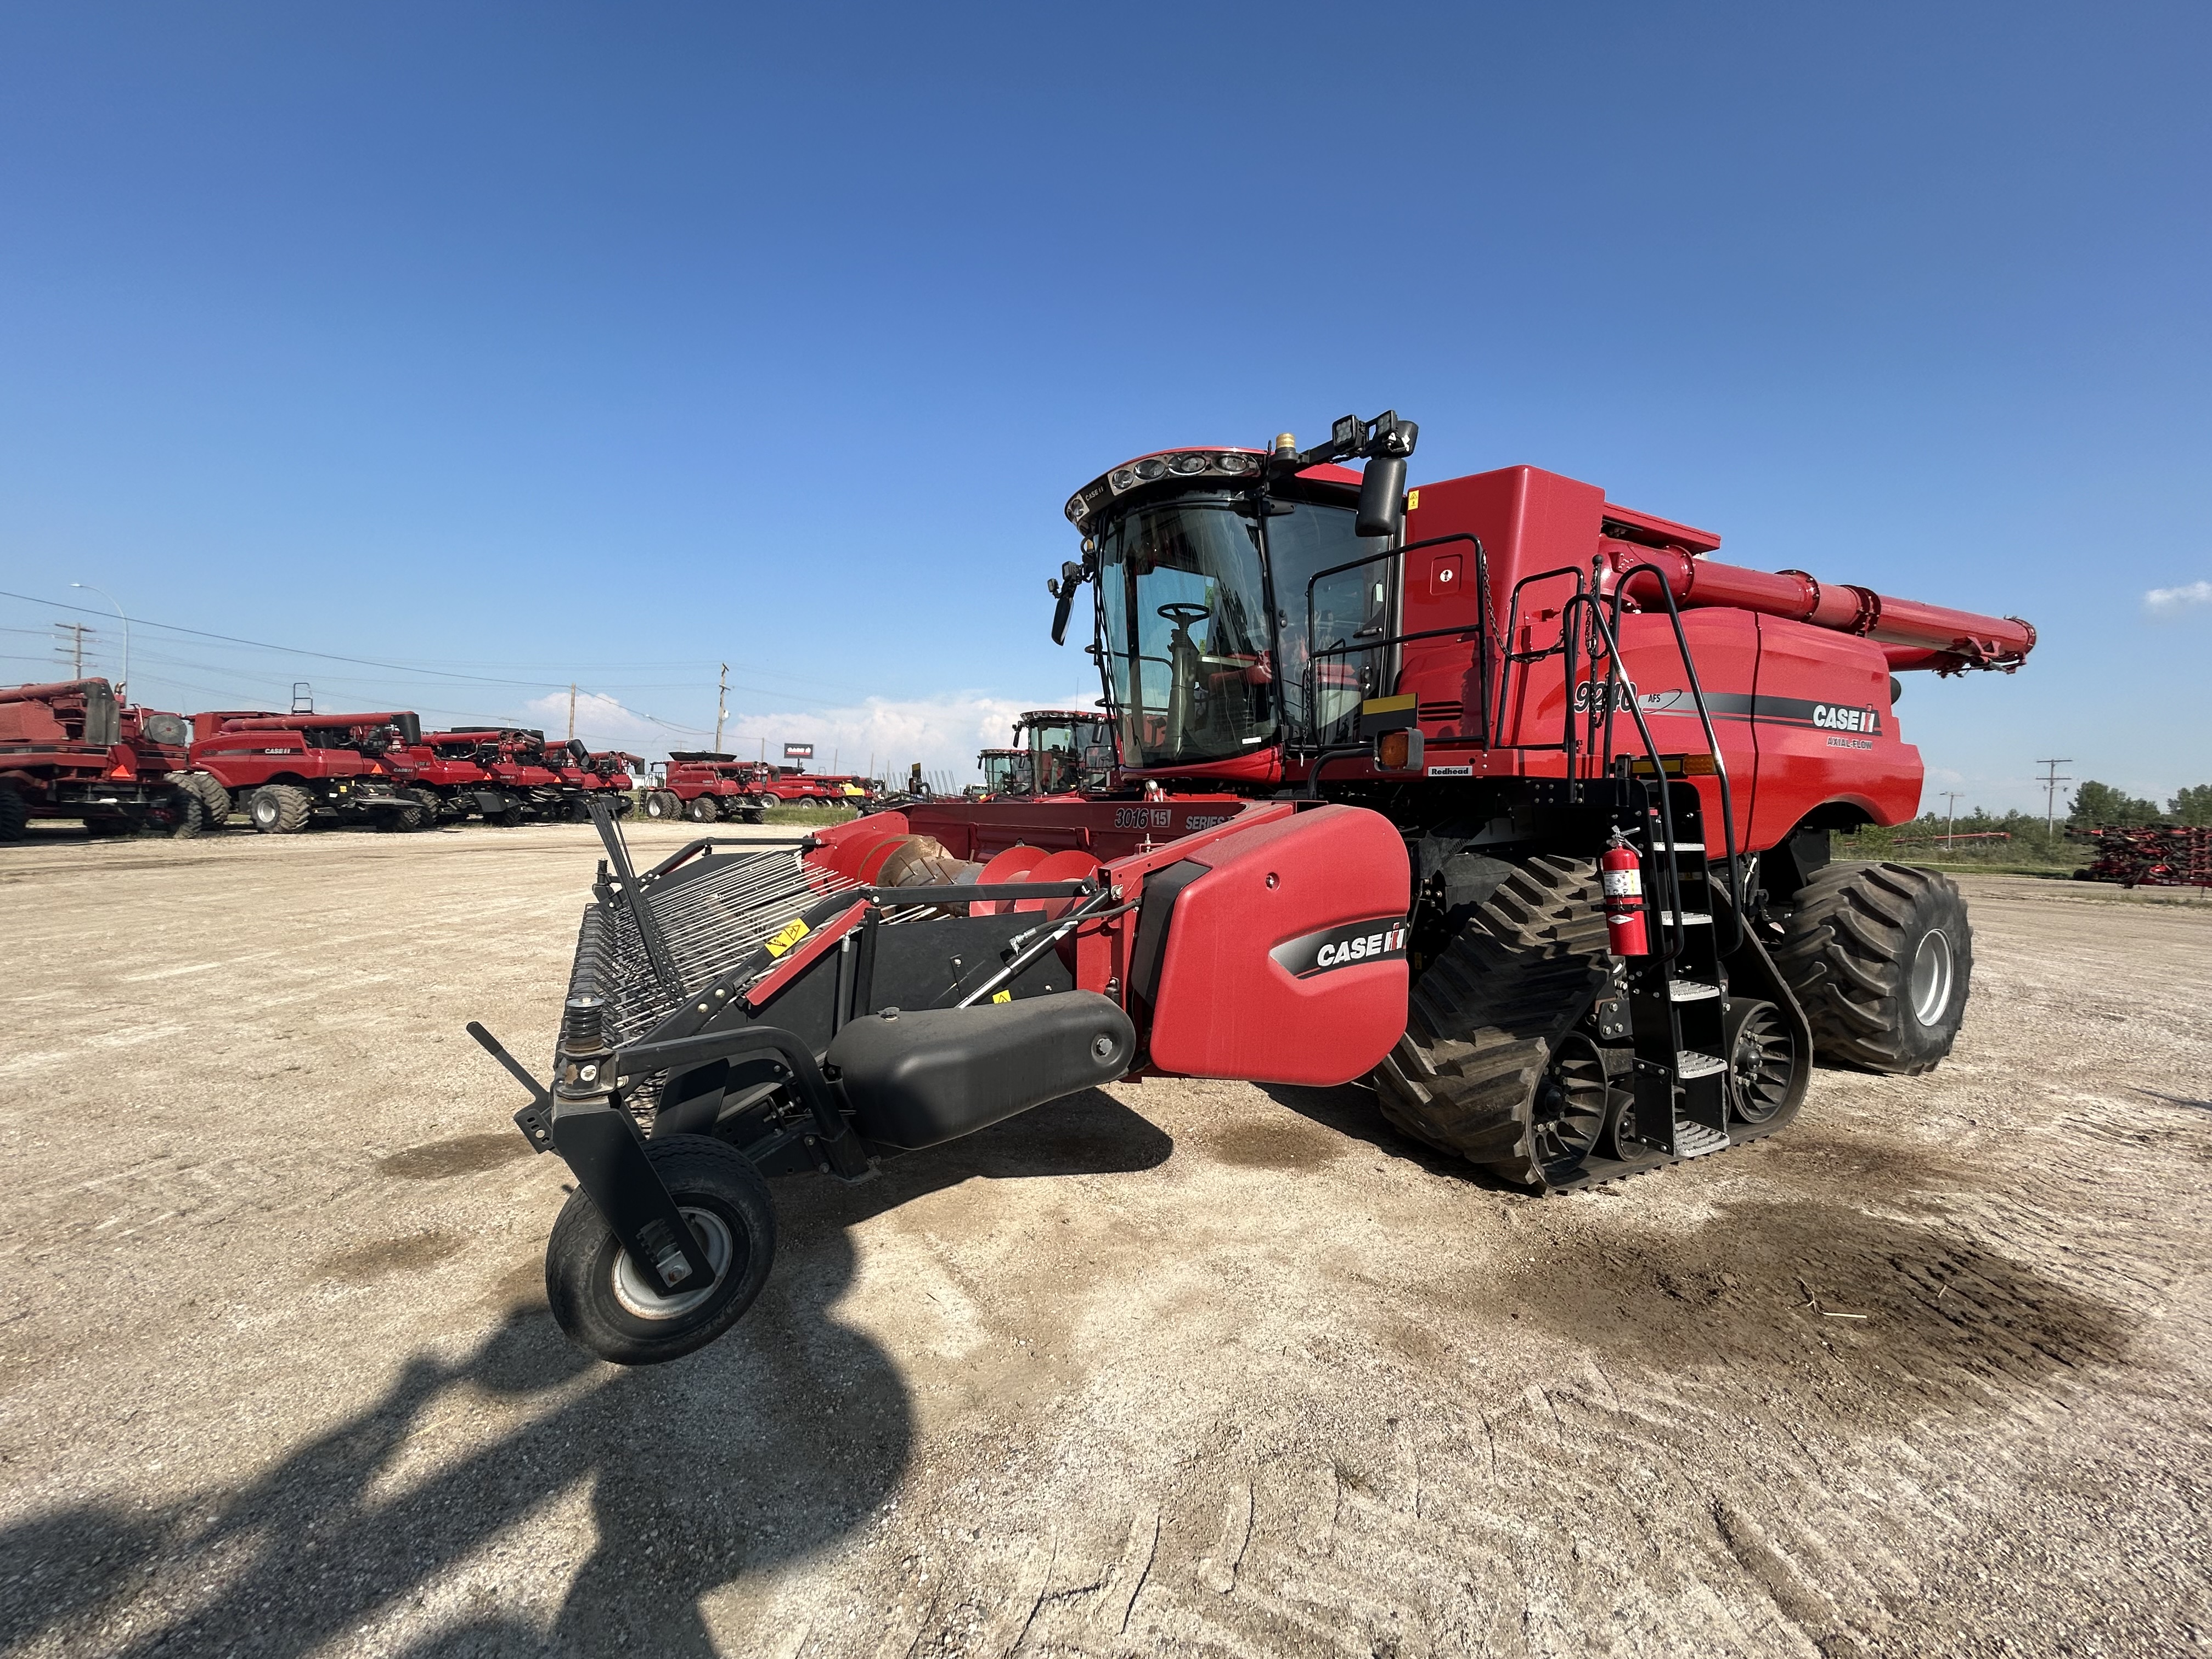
{"points": [[1182, 1368]]}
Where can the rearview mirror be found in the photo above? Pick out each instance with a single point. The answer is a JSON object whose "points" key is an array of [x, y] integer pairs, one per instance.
{"points": [[1071, 578], [1382, 497]]}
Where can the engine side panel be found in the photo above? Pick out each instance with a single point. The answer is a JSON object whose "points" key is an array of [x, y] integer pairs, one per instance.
{"points": [[1286, 961]]}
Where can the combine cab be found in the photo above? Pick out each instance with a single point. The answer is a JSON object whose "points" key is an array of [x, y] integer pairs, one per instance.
{"points": [[1008, 774], [71, 750], [1505, 799]]}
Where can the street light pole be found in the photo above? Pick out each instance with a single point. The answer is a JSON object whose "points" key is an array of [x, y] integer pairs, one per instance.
{"points": [[123, 684], [1950, 812]]}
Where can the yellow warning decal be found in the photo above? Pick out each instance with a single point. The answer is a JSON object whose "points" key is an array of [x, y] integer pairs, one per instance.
{"points": [[1412, 500], [1388, 705], [1002, 996], [789, 935]]}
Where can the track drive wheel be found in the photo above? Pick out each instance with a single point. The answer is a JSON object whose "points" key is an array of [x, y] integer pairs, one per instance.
{"points": [[279, 809], [607, 1307], [214, 800], [1490, 1067], [1880, 958], [14, 814]]}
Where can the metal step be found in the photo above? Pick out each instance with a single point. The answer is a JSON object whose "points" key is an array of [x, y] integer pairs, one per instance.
{"points": [[1695, 1139], [1690, 919], [1689, 1063], [1692, 990]]}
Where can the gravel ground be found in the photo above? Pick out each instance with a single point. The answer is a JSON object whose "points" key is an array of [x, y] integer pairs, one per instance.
{"points": [[1189, 1368]]}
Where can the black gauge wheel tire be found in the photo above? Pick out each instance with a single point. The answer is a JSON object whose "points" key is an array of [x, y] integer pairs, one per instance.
{"points": [[1881, 959], [605, 1304]]}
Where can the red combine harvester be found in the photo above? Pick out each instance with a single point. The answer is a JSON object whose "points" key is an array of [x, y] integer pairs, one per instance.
{"points": [[1505, 798], [515, 758], [285, 771], [71, 750], [705, 788]]}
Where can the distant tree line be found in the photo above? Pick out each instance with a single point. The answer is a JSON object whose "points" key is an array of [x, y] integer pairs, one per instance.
{"points": [[2022, 839]]}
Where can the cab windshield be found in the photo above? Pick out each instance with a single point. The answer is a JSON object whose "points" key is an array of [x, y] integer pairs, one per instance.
{"points": [[1203, 661]]}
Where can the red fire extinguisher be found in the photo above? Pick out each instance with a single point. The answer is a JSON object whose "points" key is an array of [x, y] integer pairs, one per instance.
{"points": [[1621, 875]]}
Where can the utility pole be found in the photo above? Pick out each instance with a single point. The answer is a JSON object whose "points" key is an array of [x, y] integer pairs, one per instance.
{"points": [[1949, 813], [123, 681], [721, 707], [2051, 793], [572, 711], [73, 647]]}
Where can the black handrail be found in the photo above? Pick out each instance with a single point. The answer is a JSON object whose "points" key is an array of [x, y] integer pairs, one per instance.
{"points": [[1712, 741], [1316, 651]]}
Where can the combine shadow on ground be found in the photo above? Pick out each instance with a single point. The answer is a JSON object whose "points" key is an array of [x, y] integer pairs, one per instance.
{"points": [[768, 1445], [1350, 1109]]}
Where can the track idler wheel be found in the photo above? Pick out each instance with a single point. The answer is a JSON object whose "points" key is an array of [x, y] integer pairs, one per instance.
{"points": [[1764, 1064], [606, 1306]]}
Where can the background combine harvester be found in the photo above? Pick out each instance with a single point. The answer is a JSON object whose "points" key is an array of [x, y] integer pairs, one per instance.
{"points": [[69, 749], [285, 771], [1498, 793]]}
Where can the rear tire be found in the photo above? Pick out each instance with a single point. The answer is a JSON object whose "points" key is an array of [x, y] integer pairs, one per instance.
{"points": [[603, 1304], [14, 814], [214, 800], [433, 803], [279, 809], [700, 809], [1881, 958], [180, 817]]}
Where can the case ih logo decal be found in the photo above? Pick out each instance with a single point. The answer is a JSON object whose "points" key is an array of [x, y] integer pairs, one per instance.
{"points": [[1382, 940], [1836, 718], [1777, 711]]}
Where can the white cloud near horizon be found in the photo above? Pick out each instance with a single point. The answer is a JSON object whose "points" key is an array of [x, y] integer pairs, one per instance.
{"points": [[942, 732], [2173, 601]]}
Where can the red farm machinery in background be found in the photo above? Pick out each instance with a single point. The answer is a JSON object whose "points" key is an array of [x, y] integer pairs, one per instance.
{"points": [[704, 787], [286, 772], [1502, 800], [69, 749], [2156, 855]]}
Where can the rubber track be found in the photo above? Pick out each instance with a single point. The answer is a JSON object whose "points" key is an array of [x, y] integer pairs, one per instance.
{"points": [[1486, 1015], [1487, 1012], [1841, 955]]}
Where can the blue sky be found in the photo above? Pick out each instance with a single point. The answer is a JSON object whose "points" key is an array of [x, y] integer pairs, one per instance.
{"points": [[605, 343]]}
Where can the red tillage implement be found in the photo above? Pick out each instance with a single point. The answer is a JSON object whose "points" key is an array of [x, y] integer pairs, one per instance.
{"points": [[1376, 749], [2166, 855]]}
